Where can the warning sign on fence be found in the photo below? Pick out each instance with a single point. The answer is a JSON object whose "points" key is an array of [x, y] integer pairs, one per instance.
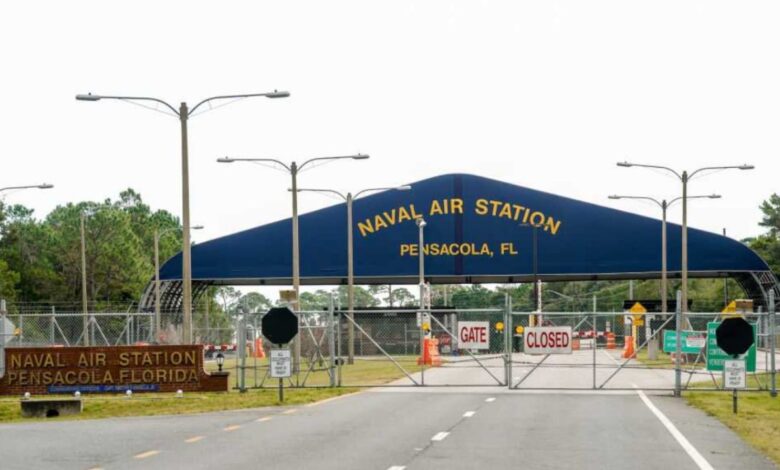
{"points": [[548, 340], [474, 335]]}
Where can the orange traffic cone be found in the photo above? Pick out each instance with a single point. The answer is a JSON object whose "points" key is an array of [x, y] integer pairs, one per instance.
{"points": [[430, 355], [259, 352], [628, 350], [610, 340]]}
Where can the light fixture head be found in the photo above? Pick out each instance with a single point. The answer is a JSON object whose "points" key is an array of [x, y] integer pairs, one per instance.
{"points": [[421, 222], [88, 97], [278, 94], [225, 160]]}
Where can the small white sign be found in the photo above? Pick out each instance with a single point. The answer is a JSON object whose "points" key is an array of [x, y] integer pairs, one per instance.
{"points": [[473, 335], [548, 340], [696, 341], [734, 374], [281, 366]]}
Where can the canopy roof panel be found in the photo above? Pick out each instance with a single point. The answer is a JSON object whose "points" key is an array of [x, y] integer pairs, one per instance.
{"points": [[478, 230]]}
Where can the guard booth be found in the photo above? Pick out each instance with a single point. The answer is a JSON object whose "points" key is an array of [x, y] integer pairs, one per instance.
{"points": [[649, 320]]}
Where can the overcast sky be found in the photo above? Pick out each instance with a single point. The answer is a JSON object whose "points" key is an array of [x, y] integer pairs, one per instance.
{"points": [[547, 95]]}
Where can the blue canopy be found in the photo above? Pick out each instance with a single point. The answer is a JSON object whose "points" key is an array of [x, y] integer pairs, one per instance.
{"points": [[478, 230]]}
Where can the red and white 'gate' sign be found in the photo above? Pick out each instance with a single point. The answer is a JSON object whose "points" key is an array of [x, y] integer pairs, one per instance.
{"points": [[548, 340], [474, 335]]}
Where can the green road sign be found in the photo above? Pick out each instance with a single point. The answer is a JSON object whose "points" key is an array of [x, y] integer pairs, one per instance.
{"points": [[716, 356], [692, 341]]}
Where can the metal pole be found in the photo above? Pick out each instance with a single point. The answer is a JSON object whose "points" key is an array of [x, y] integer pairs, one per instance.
{"points": [[351, 284], [84, 283], [332, 343], [772, 343], [2, 335], [664, 284], [508, 331], [242, 353], [186, 254], [157, 318], [51, 327], [678, 347], [594, 350], [684, 307], [296, 261], [725, 285], [421, 229]]}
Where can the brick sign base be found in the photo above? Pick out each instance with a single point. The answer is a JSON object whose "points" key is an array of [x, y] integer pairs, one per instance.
{"points": [[108, 369]]}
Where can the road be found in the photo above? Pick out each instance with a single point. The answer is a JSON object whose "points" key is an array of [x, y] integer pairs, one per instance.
{"points": [[381, 429]]}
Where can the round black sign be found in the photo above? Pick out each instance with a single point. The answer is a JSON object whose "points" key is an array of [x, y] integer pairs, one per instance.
{"points": [[279, 325], [734, 336]]}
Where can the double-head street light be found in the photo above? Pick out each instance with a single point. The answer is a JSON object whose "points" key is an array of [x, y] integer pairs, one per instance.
{"points": [[684, 178], [349, 198], [664, 205], [157, 317], [293, 169], [183, 113]]}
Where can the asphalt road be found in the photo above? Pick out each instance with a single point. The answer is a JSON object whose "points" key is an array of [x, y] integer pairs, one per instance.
{"points": [[430, 429]]}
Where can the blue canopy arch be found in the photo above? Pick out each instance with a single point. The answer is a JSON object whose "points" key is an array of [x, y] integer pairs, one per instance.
{"points": [[478, 230]]}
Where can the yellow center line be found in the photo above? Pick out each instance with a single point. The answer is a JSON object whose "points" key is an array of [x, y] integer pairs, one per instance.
{"points": [[146, 454], [193, 439], [263, 419], [232, 428], [290, 411]]}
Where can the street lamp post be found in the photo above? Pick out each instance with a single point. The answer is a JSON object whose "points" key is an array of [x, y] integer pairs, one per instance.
{"points": [[664, 205], [293, 168], [349, 198], [534, 319], [157, 317], [684, 178], [184, 113]]}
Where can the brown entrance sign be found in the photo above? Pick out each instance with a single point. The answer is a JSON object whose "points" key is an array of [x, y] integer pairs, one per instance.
{"points": [[108, 369]]}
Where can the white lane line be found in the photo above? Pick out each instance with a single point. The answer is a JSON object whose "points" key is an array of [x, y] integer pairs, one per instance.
{"points": [[396, 467], [490, 400], [146, 454], [469, 414], [263, 419], [440, 436], [194, 439], [700, 461], [232, 428]]}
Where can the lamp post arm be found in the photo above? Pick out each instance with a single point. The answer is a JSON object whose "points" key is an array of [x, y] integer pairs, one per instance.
{"points": [[9, 188], [311, 160], [728, 167], [368, 190], [231, 97], [679, 198], [268, 160], [315, 190], [91, 97], [658, 167], [647, 198]]}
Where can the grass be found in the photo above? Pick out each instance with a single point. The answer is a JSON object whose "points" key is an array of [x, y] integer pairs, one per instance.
{"points": [[758, 418], [147, 404], [664, 360], [365, 371]]}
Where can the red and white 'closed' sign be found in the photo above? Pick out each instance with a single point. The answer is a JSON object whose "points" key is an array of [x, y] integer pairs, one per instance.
{"points": [[548, 340], [474, 335]]}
